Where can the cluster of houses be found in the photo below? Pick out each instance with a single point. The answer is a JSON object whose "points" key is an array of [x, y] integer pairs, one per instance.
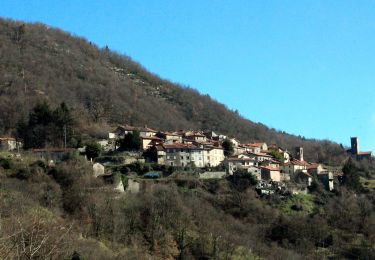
{"points": [[203, 149], [270, 164]]}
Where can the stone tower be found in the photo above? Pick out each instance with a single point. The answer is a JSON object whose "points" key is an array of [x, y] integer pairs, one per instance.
{"points": [[299, 153], [355, 145]]}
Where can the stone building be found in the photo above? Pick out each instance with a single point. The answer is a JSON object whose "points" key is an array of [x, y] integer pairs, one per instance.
{"points": [[355, 152]]}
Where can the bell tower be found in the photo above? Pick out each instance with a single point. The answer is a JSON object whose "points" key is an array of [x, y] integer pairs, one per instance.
{"points": [[355, 145], [299, 153]]}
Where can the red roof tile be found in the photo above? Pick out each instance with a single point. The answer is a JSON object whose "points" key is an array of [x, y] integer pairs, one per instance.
{"points": [[270, 168]]}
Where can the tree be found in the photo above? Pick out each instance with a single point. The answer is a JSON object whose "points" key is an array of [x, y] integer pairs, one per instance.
{"points": [[228, 147], [279, 156], [63, 123], [131, 142], [35, 132], [46, 126], [93, 150], [351, 177]]}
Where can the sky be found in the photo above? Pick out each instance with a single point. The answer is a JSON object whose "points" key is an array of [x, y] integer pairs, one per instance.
{"points": [[303, 67]]}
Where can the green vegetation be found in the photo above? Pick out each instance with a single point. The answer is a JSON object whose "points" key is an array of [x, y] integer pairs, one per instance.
{"points": [[228, 147], [93, 150], [301, 204], [46, 127], [131, 142], [278, 156], [366, 183]]}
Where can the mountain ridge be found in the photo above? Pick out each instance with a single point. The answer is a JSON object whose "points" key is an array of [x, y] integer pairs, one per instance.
{"points": [[40, 63]]}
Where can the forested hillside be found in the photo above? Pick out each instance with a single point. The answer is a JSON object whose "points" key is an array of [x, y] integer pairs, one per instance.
{"points": [[39, 63]]}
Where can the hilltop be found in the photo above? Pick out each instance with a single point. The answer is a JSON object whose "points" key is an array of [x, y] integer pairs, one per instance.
{"points": [[105, 88]]}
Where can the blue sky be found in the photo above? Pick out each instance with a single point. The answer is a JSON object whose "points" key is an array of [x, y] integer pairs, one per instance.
{"points": [[304, 67]]}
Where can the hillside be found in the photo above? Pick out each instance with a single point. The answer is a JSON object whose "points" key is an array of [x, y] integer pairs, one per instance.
{"points": [[105, 88]]}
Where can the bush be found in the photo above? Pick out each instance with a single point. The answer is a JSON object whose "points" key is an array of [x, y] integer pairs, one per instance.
{"points": [[93, 150], [6, 163]]}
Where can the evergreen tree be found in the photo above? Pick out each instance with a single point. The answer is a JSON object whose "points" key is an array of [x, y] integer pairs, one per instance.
{"points": [[46, 127], [93, 150], [131, 142], [228, 147]]}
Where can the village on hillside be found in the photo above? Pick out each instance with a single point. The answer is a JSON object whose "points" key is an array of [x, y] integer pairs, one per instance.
{"points": [[207, 154]]}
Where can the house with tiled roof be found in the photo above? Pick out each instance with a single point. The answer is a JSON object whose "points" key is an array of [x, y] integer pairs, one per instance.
{"points": [[271, 173], [170, 137], [8, 144], [263, 146], [239, 149], [294, 166], [182, 155], [235, 142], [260, 157], [239, 162], [195, 136], [251, 148], [214, 155], [270, 162], [305, 178], [315, 168], [149, 141], [121, 131]]}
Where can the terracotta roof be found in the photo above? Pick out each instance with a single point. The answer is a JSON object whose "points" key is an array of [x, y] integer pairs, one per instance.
{"points": [[365, 153], [240, 159], [194, 133], [180, 146], [297, 162], [260, 154], [313, 166], [159, 147], [137, 128], [270, 168], [274, 161], [7, 139], [172, 133], [151, 138], [256, 144]]}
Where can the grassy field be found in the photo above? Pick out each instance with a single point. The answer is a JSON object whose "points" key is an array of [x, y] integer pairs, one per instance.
{"points": [[369, 184], [305, 203]]}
